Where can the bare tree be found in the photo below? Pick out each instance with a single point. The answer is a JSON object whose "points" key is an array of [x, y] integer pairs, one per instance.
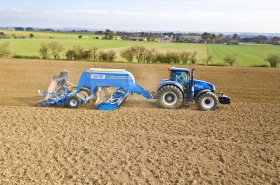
{"points": [[94, 53], [208, 59], [56, 48], [193, 58], [139, 53], [5, 49], [185, 57]]}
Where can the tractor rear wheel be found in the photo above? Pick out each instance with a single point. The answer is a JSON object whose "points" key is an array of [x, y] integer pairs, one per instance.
{"points": [[170, 97], [207, 101], [74, 102]]}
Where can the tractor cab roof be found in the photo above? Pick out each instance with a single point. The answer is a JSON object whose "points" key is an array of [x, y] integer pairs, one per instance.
{"points": [[179, 69]]}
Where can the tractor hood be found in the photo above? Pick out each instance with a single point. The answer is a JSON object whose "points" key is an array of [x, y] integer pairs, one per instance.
{"points": [[201, 85], [198, 85]]}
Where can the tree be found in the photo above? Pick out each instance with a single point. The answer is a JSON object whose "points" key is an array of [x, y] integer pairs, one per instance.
{"points": [[94, 53], [193, 57], [206, 37], [128, 54], [273, 59], [80, 36], [56, 48], [139, 53], [208, 59], [31, 35], [44, 51], [235, 39], [109, 34], [276, 40], [185, 57], [261, 39], [5, 49], [230, 59], [213, 38]]}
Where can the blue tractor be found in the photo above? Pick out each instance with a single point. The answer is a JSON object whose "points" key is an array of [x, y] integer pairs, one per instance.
{"points": [[182, 89], [171, 93]]}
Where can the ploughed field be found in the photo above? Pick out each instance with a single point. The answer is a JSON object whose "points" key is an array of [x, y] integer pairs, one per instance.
{"points": [[139, 143]]}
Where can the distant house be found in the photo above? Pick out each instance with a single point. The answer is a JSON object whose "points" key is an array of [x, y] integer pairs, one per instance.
{"points": [[164, 39], [134, 38]]}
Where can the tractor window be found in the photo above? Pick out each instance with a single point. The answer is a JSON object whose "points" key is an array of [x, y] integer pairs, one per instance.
{"points": [[181, 77]]}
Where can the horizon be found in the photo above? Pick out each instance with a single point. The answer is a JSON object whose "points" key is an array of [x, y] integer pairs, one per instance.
{"points": [[234, 16]]}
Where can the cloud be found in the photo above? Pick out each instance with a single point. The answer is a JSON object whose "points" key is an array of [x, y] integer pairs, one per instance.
{"points": [[176, 15]]}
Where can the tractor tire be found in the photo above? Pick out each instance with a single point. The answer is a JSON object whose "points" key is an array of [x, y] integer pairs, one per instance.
{"points": [[170, 97], [74, 102], [207, 101]]}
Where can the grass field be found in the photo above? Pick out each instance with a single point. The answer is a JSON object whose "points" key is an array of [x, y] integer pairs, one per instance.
{"points": [[46, 34], [247, 55]]}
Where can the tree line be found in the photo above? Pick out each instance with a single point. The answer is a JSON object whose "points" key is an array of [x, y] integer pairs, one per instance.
{"points": [[140, 54]]}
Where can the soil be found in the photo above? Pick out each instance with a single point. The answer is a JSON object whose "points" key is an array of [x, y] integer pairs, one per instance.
{"points": [[139, 143]]}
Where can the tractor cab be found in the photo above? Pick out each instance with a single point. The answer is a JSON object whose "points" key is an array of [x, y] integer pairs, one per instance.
{"points": [[180, 75]]}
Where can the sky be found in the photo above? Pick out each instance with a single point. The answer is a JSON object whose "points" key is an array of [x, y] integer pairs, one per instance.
{"points": [[262, 16]]}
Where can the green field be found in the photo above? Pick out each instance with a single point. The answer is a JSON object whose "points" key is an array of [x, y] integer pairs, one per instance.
{"points": [[247, 55]]}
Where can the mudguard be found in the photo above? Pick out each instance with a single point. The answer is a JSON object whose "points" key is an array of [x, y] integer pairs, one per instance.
{"points": [[170, 82], [200, 93]]}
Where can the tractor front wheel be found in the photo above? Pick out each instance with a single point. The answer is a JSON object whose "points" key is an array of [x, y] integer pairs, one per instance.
{"points": [[170, 97], [74, 102], [207, 101]]}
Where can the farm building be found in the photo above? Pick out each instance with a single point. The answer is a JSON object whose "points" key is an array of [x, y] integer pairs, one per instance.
{"points": [[164, 39], [134, 38]]}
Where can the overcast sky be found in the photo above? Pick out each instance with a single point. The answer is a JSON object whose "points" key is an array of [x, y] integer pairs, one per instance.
{"points": [[143, 15]]}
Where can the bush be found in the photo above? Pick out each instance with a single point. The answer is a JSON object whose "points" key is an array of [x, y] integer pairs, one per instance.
{"points": [[172, 57], [107, 56], [273, 59], [218, 64], [259, 65], [230, 59], [5, 50], [78, 53], [128, 54], [150, 55], [26, 57], [70, 54], [162, 58]]}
